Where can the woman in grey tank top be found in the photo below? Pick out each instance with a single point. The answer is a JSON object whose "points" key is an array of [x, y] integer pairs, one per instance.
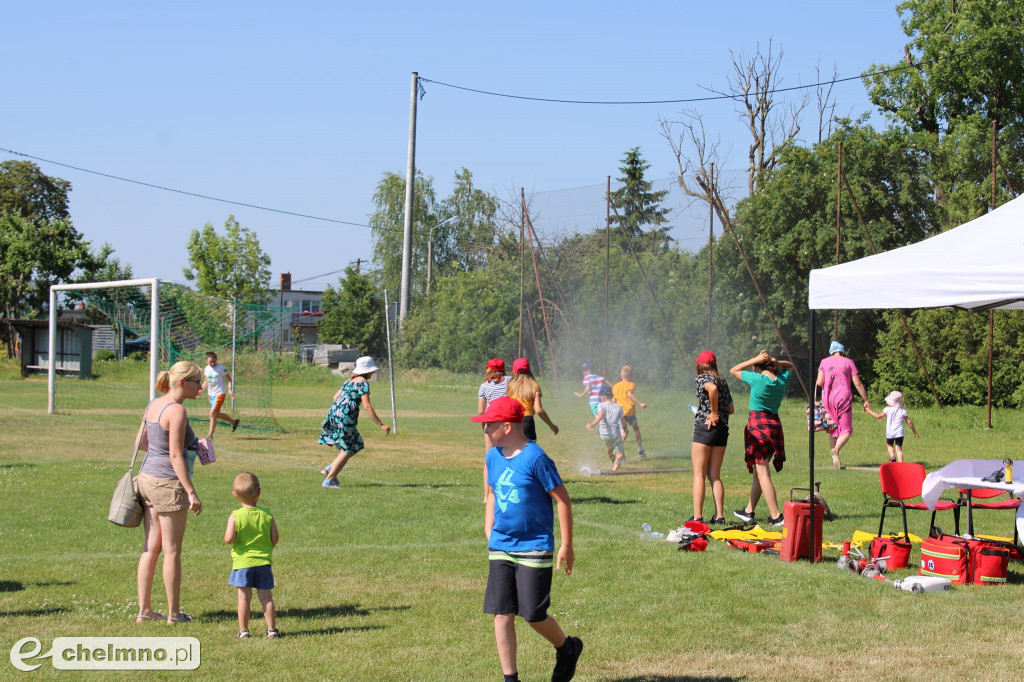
{"points": [[165, 488]]}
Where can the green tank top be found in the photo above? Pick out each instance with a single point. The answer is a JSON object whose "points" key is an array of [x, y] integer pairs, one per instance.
{"points": [[252, 545]]}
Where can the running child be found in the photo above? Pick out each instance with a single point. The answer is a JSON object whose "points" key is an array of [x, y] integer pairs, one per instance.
{"points": [[894, 416], [612, 427], [215, 377], [591, 386], [519, 525], [339, 426], [624, 396], [252, 534]]}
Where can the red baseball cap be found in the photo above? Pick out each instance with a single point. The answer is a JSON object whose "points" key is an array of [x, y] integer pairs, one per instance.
{"points": [[520, 365], [497, 364], [503, 409], [706, 358]]}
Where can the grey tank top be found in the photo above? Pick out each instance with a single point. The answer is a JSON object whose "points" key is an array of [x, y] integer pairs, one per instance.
{"points": [[158, 456]]}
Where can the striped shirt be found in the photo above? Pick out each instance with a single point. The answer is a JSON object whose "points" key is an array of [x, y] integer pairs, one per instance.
{"points": [[490, 390], [592, 383]]}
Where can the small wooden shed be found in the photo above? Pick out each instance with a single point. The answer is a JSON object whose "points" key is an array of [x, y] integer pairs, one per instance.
{"points": [[73, 355]]}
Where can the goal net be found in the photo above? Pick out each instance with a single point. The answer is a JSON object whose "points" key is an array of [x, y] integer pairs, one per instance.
{"points": [[188, 325]]}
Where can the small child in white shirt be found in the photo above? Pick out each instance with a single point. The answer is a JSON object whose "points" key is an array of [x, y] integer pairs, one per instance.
{"points": [[894, 416]]}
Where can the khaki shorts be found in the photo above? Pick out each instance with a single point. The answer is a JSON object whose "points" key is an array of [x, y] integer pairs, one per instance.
{"points": [[162, 494]]}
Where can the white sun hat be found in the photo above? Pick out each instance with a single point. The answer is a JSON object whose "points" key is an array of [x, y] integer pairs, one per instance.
{"points": [[365, 365]]}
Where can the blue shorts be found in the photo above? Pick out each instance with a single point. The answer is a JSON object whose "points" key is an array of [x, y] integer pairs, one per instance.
{"points": [[260, 577], [216, 401]]}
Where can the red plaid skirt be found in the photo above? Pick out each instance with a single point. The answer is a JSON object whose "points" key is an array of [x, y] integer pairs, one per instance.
{"points": [[762, 440]]}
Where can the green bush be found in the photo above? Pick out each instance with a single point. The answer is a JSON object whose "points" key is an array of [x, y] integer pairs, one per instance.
{"points": [[103, 355]]}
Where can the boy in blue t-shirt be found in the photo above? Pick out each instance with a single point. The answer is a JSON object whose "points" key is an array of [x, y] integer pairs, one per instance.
{"points": [[521, 480]]}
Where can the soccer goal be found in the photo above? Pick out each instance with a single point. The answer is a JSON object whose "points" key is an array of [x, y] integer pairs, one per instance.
{"points": [[143, 326]]}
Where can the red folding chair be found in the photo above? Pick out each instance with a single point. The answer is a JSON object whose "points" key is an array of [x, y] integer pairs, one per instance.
{"points": [[902, 481], [968, 499]]}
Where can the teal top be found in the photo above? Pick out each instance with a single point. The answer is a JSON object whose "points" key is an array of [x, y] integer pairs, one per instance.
{"points": [[252, 545], [766, 394]]}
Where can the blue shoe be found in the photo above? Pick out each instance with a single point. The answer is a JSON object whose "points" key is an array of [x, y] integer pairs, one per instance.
{"points": [[330, 484]]}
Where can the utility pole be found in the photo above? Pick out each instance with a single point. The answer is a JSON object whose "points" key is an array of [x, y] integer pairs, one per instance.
{"points": [[410, 181]]}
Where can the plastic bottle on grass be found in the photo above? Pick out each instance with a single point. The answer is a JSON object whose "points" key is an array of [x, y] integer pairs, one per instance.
{"points": [[693, 408], [649, 534]]}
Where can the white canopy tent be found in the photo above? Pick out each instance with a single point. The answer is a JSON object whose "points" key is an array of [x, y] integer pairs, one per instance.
{"points": [[976, 266]]}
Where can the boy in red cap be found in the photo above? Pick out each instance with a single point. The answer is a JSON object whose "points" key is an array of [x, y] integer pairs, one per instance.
{"points": [[519, 525]]}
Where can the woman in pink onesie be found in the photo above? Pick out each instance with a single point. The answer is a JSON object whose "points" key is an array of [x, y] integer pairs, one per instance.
{"points": [[836, 373]]}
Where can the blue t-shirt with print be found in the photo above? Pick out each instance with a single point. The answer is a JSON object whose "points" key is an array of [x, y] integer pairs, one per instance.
{"points": [[523, 508]]}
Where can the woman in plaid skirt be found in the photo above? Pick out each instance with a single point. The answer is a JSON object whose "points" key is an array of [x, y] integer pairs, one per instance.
{"points": [[762, 439]]}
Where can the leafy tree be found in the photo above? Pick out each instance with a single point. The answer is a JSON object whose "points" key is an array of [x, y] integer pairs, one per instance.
{"points": [[388, 222], [353, 314], [472, 316], [467, 240], [955, 344], [229, 266], [33, 257], [961, 72], [636, 203], [26, 191], [788, 229]]}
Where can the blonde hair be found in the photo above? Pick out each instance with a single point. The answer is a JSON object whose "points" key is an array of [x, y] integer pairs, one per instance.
{"points": [[182, 370], [246, 486], [522, 386], [627, 373]]}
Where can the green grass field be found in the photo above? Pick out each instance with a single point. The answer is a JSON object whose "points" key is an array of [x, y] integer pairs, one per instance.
{"points": [[384, 579]]}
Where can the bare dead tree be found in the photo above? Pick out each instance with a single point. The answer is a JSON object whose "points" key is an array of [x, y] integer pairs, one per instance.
{"points": [[694, 175], [773, 125], [826, 103]]}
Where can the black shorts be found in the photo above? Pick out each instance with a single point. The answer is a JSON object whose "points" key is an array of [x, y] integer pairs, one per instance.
{"points": [[631, 420], [518, 589], [894, 441], [530, 428], [717, 436]]}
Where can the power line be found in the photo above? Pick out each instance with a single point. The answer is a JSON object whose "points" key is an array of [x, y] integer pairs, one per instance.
{"points": [[186, 193], [719, 97]]}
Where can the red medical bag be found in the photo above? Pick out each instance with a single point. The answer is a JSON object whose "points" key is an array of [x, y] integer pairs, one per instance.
{"points": [[946, 557]]}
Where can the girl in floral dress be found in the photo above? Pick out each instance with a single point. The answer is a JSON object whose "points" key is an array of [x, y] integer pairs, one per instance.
{"points": [[339, 427]]}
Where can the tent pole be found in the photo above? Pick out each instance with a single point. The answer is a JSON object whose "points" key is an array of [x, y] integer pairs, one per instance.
{"points": [[810, 437]]}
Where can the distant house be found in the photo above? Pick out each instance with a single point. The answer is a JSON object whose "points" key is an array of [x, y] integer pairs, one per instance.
{"points": [[306, 312]]}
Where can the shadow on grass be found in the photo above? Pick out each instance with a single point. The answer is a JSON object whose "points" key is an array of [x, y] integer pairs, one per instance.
{"points": [[20, 465], [331, 631], [17, 586], [601, 499], [55, 611], [677, 678], [313, 612]]}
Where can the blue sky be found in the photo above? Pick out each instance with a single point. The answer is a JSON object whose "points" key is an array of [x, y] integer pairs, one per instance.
{"points": [[301, 106]]}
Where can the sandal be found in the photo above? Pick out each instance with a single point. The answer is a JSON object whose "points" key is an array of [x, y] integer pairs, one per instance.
{"points": [[330, 484], [141, 618], [273, 634], [182, 618], [243, 634], [234, 426], [326, 470], [836, 464]]}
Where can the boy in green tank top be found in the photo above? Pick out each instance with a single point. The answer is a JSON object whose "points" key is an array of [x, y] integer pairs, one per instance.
{"points": [[252, 534]]}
